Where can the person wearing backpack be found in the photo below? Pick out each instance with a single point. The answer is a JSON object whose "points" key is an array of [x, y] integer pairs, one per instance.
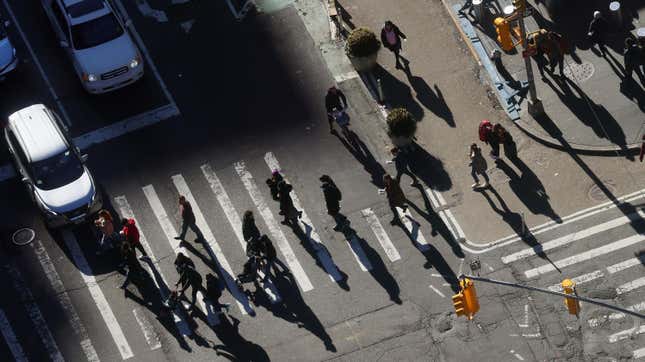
{"points": [[271, 257], [130, 232], [190, 277], [487, 136], [333, 197]]}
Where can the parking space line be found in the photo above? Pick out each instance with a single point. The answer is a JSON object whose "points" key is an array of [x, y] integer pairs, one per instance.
{"points": [[310, 230], [65, 301], [97, 295], [62, 110], [274, 229], [11, 340], [382, 236], [216, 253], [145, 52], [169, 231], [35, 314], [162, 285]]}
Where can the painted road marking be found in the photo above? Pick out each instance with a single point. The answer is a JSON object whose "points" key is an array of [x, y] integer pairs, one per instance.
{"points": [[437, 291], [596, 322], [274, 229], [627, 333], [573, 237], [214, 250], [517, 355], [310, 231], [170, 232], [590, 254], [34, 314], [359, 254], [162, 285], [152, 338], [65, 301], [62, 110], [97, 295], [639, 353], [382, 237], [585, 278], [629, 286], [11, 340], [442, 202], [412, 226], [234, 220], [339, 78]]}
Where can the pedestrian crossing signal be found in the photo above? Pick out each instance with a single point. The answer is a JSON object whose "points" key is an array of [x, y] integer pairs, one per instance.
{"points": [[458, 303], [465, 302], [573, 305]]}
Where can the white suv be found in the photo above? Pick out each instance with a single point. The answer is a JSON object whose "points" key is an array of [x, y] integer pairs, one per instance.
{"points": [[51, 167], [104, 56]]}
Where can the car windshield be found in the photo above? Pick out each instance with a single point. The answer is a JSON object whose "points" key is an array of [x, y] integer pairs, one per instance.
{"points": [[56, 171], [95, 32]]}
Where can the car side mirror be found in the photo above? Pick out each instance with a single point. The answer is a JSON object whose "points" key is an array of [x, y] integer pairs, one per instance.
{"points": [[84, 158], [64, 44]]}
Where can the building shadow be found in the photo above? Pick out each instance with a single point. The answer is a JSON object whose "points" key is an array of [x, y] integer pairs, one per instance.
{"points": [[292, 308], [429, 169], [590, 114], [362, 154], [312, 247], [379, 271], [234, 346]]}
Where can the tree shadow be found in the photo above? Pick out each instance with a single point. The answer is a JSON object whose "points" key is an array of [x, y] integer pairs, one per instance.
{"points": [[429, 98], [292, 308], [591, 114], [234, 346], [429, 169], [514, 220], [319, 251], [378, 271], [359, 150]]}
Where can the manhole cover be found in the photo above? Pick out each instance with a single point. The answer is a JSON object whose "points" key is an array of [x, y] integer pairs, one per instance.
{"points": [[23, 236], [579, 72], [599, 193]]}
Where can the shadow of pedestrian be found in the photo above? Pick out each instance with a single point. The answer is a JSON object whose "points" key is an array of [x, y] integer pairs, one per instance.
{"points": [[397, 93], [379, 271], [633, 91], [431, 99], [429, 169], [436, 260], [308, 244], [234, 346], [359, 150], [292, 308]]}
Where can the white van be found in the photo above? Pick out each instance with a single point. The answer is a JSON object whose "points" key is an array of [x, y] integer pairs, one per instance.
{"points": [[51, 167]]}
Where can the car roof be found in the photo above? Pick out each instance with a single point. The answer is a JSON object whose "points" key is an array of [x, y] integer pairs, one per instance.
{"points": [[81, 11], [38, 133]]}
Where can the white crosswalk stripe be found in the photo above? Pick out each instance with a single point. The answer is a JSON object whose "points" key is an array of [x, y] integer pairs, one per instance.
{"points": [[65, 301], [236, 223], [260, 203], [631, 285], [628, 333], [162, 284], [152, 338], [412, 226], [595, 322], [381, 235], [34, 313], [10, 339], [309, 229], [585, 278], [170, 232], [97, 295]]}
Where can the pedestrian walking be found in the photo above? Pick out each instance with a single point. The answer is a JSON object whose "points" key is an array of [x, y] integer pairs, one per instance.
{"points": [[333, 196], [105, 223], [502, 136], [190, 277], [188, 220], [335, 100], [130, 233], [271, 257], [181, 261], [214, 292], [632, 57], [402, 164], [478, 166], [132, 267], [287, 209], [487, 135], [273, 182], [556, 52], [597, 29], [391, 37], [249, 230], [395, 197]]}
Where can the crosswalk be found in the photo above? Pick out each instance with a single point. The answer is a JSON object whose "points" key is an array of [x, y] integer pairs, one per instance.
{"points": [[601, 254], [153, 208]]}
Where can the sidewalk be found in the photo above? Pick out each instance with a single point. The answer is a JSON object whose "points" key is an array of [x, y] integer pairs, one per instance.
{"points": [[596, 109]]}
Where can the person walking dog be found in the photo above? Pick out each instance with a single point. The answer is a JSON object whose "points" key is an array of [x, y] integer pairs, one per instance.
{"points": [[391, 37]]}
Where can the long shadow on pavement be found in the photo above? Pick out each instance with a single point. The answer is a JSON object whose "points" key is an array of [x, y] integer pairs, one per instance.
{"points": [[234, 346], [431, 98], [429, 169], [359, 150]]}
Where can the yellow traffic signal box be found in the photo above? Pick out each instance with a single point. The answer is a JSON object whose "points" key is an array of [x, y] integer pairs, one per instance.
{"points": [[573, 305], [465, 302]]}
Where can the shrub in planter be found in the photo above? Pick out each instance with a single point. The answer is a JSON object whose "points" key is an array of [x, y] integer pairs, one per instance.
{"points": [[362, 42], [401, 126]]}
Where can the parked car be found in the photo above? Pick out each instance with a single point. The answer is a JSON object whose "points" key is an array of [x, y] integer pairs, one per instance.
{"points": [[8, 58], [93, 35], [51, 167]]}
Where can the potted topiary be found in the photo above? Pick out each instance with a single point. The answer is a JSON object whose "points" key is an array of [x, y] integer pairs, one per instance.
{"points": [[362, 49], [401, 127]]}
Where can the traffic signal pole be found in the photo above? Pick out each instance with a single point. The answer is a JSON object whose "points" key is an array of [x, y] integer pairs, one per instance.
{"points": [[535, 104], [567, 296]]}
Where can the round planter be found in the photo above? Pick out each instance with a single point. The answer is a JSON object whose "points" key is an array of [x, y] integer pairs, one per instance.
{"points": [[364, 64]]}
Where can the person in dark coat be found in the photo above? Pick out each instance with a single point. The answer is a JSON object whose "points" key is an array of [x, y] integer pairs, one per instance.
{"points": [[133, 268], [632, 57], [271, 257], [190, 277], [502, 136], [188, 220], [273, 182], [333, 197], [214, 292], [287, 209], [334, 100], [249, 230], [402, 165], [395, 197], [391, 37], [597, 29]]}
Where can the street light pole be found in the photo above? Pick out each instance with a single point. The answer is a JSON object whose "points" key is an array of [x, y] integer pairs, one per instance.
{"points": [[535, 104]]}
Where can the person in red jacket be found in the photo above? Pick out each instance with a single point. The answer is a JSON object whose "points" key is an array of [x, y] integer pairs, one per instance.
{"points": [[131, 234]]}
